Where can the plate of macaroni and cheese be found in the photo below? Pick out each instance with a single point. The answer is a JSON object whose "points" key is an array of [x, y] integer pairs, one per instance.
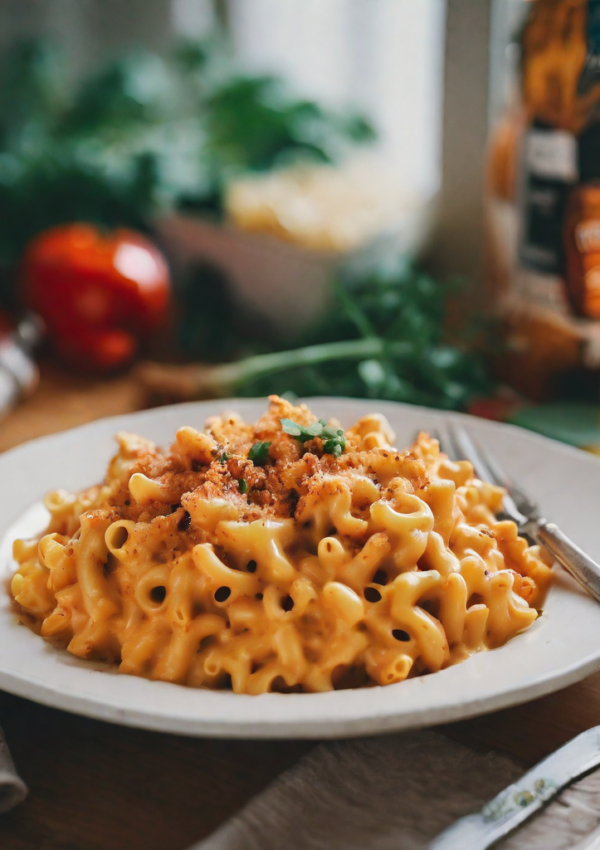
{"points": [[259, 568]]}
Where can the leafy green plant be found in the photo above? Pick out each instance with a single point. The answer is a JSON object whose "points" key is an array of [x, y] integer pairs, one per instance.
{"points": [[384, 337], [392, 322], [253, 124], [142, 135]]}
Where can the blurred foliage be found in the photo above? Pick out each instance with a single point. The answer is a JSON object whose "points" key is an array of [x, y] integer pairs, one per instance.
{"points": [[142, 135], [252, 123], [145, 134], [395, 303]]}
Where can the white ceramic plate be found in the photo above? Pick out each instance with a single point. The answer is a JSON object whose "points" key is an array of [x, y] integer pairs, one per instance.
{"points": [[562, 647]]}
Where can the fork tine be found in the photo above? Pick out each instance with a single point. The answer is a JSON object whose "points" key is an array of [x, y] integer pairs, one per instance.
{"points": [[415, 435], [453, 448], [445, 444], [466, 448], [522, 501], [499, 476], [433, 432], [435, 435], [515, 510]]}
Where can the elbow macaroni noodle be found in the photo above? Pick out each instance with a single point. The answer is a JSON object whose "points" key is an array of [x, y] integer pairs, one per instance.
{"points": [[302, 571]]}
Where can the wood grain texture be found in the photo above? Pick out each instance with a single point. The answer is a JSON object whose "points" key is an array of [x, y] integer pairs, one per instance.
{"points": [[97, 786], [64, 401], [534, 730]]}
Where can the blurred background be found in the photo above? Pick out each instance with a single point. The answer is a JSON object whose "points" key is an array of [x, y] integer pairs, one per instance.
{"points": [[390, 199]]}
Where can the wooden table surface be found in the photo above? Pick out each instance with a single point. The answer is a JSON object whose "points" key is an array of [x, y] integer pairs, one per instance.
{"points": [[96, 786]]}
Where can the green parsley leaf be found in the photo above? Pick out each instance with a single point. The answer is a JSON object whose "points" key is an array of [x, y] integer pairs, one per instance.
{"points": [[334, 440], [331, 433], [291, 428], [243, 485], [224, 457], [259, 452], [335, 445], [302, 433]]}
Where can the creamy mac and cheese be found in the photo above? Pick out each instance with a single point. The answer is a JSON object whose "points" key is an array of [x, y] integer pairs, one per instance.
{"points": [[288, 555]]}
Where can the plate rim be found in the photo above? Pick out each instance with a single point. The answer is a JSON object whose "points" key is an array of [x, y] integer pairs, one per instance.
{"points": [[566, 448], [52, 697], [50, 694]]}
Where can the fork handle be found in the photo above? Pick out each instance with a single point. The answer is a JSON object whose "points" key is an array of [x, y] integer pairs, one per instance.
{"points": [[583, 569]]}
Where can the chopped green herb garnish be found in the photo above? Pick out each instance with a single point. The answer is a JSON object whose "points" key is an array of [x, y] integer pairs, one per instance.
{"points": [[224, 457], [259, 452], [243, 485], [334, 439], [300, 432], [293, 429], [335, 445]]}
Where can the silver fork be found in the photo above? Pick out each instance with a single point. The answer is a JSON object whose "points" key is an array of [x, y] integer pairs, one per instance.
{"points": [[524, 511]]}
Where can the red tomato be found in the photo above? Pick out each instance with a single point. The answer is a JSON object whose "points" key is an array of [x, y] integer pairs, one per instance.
{"points": [[96, 292]]}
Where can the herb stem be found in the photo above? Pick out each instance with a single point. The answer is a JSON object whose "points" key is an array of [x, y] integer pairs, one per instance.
{"points": [[198, 380]]}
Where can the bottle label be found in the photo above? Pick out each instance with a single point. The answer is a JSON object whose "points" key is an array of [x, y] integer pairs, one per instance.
{"points": [[550, 169], [552, 155]]}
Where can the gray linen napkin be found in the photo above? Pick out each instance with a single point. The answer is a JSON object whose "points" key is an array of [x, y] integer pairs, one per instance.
{"points": [[395, 793], [12, 788]]}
